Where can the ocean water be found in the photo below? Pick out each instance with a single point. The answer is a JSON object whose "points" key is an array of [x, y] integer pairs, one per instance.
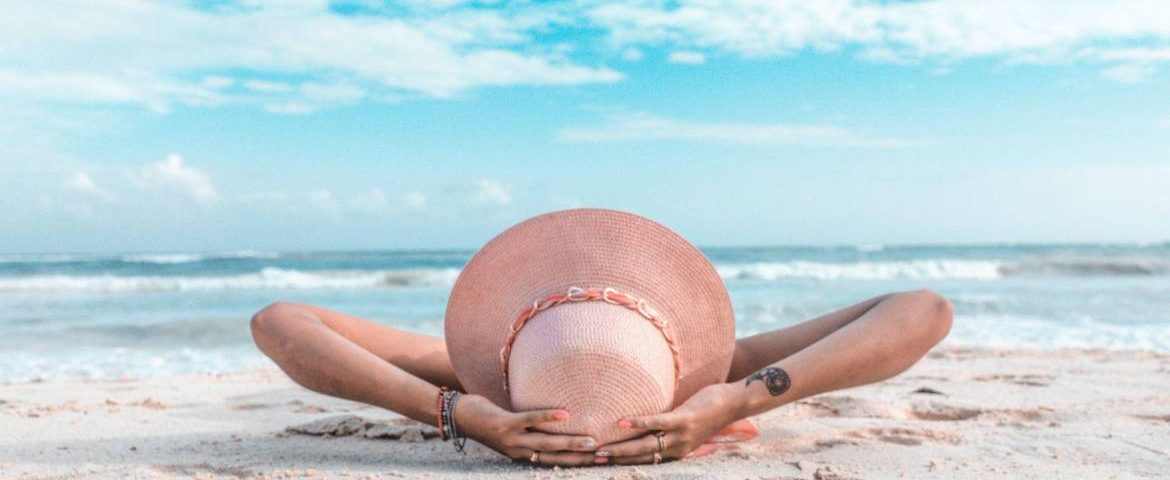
{"points": [[135, 315]]}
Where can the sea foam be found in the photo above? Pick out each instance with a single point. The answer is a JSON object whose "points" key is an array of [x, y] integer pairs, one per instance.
{"points": [[267, 278], [290, 278], [916, 269]]}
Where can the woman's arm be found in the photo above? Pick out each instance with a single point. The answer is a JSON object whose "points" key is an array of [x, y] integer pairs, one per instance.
{"points": [[343, 356], [760, 350], [884, 341], [347, 357], [864, 343]]}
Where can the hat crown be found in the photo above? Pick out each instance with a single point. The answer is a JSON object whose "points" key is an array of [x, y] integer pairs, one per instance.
{"points": [[594, 359]]}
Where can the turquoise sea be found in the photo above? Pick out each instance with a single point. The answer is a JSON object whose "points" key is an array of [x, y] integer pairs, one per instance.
{"points": [[132, 315]]}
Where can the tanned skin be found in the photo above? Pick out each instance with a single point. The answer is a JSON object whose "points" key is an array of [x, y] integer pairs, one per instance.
{"points": [[347, 357]]}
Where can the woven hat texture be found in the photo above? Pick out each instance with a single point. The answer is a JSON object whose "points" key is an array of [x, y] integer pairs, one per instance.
{"points": [[598, 360]]}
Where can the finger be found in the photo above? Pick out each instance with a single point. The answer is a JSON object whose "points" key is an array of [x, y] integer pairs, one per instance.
{"points": [[635, 460], [545, 442], [567, 459], [645, 444], [537, 417], [664, 421]]}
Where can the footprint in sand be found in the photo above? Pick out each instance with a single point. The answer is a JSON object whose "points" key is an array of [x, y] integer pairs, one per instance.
{"points": [[1021, 417], [299, 406], [335, 426], [302, 407], [1031, 380], [905, 436], [844, 406], [401, 429], [251, 406], [941, 412], [1154, 418], [817, 442]]}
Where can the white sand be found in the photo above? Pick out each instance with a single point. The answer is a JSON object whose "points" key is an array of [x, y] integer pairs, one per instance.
{"points": [[1018, 414]]}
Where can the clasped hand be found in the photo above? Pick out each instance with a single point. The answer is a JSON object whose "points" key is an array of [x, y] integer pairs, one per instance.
{"points": [[512, 435]]}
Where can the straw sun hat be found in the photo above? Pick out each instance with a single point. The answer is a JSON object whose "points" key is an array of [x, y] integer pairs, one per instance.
{"points": [[603, 313]]}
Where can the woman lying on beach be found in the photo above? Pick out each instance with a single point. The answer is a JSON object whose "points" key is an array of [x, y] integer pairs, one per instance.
{"points": [[590, 336]]}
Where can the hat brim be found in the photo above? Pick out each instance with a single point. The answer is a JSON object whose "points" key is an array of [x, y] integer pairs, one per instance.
{"points": [[588, 248]]}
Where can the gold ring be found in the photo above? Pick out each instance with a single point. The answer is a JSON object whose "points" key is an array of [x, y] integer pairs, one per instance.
{"points": [[535, 458], [657, 458], [661, 442]]}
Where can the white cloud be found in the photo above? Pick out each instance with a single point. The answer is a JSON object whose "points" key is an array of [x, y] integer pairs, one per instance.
{"points": [[311, 97], [483, 191], [1163, 123], [82, 183], [172, 174], [300, 55], [414, 200], [1129, 72], [632, 54], [217, 81], [324, 200], [372, 200], [488, 191], [263, 197], [79, 210], [687, 58], [642, 126], [264, 86], [1130, 65], [147, 90], [1039, 31], [1140, 55]]}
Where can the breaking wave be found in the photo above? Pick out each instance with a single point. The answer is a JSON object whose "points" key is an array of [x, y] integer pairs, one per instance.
{"points": [[170, 258], [267, 278], [156, 258], [289, 278], [946, 269], [925, 269], [1088, 267]]}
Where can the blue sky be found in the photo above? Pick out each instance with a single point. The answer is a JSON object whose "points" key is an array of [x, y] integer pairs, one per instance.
{"points": [[225, 125]]}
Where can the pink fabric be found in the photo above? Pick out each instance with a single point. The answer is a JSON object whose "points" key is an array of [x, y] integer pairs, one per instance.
{"points": [[728, 438]]}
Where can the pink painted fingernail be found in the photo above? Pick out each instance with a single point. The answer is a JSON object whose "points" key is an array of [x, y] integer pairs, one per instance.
{"points": [[625, 424], [600, 460], [561, 415]]}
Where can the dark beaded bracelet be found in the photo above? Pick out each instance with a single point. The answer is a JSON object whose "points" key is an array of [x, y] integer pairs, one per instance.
{"points": [[450, 398]]}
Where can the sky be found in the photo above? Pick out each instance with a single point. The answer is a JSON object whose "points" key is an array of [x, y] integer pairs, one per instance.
{"points": [[223, 125]]}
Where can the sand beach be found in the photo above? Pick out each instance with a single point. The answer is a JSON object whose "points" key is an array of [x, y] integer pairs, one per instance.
{"points": [[960, 413]]}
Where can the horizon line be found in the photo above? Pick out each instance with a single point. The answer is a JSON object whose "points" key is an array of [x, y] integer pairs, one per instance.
{"points": [[877, 246]]}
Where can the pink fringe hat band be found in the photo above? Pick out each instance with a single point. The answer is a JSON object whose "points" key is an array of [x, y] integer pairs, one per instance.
{"points": [[578, 294]]}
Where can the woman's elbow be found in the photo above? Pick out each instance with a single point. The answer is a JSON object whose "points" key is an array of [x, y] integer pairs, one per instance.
{"points": [[925, 316], [938, 315], [268, 323]]}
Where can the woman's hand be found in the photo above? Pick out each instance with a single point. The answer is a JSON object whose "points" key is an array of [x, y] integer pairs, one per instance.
{"points": [[508, 433], [684, 428]]}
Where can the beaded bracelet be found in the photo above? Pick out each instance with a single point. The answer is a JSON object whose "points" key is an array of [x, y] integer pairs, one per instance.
{"points": [[439, 406], [447, 428], [453, 430]]}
